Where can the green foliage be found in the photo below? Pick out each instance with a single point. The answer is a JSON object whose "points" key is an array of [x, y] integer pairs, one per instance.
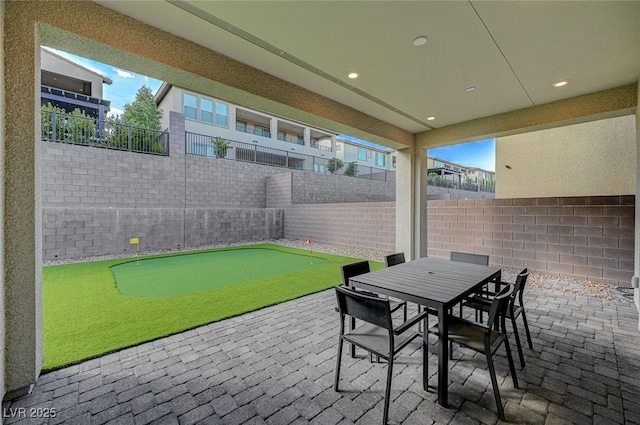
{"points": [[220, 147], [76, 127], [334, 165], [143, 111], [352, 169]]}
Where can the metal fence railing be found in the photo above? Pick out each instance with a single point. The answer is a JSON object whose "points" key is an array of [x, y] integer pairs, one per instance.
{"points": [[87, 131], [218, 147], [435, 180]]}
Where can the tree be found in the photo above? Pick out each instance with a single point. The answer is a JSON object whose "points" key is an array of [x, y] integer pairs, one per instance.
{"points": [[143, 111], [352, 169], [334, 165]]}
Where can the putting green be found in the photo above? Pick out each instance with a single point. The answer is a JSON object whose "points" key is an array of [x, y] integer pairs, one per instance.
{"points": [[186, 274]]}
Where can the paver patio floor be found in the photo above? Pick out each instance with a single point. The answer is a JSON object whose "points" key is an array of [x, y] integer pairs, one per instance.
{"points": [[276, 366]]}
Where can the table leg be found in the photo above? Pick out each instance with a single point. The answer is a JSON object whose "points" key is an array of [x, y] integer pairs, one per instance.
{"points": [[443, 357]]}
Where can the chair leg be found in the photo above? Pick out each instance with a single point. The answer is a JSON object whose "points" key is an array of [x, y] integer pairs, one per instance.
{"points": [[335, 385], [405, 311], [352, 324], [494, 383], [425, 361], [512, 367], [516, 334], [387, 392], [526, 329]]}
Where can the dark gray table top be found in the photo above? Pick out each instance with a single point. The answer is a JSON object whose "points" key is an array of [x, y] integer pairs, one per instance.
{"points": [[428, 281]]}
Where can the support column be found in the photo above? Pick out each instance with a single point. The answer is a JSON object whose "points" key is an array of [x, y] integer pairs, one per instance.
{"points": [[411, 213], [22, 221], [636, 267]]}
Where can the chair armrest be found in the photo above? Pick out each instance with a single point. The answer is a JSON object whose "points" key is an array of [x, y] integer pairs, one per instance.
{"points": [[409, 323]]}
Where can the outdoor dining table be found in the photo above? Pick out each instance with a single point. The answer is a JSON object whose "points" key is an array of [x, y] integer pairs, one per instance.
{"points": [[434, 283]]}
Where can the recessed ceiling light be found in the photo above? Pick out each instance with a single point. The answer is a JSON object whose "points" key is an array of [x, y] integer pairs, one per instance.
{"points": [[468, 89], [420, 41], [353, 75], [561, 83], [431, 118]]}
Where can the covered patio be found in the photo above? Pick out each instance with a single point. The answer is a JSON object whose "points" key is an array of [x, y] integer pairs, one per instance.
{"points": [[276, 366], [584, 368]]}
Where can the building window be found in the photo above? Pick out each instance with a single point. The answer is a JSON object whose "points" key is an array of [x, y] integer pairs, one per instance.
{"points": [[241, 126], [362, 154], [261, 131], [222, 112], [438, 164], [393, 161], [190, 106], [301, 140], [206, 110], [282, 136], [380, 159], [202, 108]]}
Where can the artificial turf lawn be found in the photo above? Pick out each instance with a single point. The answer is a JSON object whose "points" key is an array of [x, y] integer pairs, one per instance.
{"points": [[185, 274], [86, 316]]}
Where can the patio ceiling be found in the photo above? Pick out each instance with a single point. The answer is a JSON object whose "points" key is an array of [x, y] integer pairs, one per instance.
{"points": [[510, 52]]}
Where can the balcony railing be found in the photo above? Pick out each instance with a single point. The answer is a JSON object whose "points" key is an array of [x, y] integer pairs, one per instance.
{"points": [[80, 130], [435, 180], [218, 147]]}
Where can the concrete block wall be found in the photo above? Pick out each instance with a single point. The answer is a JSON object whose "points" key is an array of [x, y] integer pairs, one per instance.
{"points": [[584, 237], [279, 190], [79, 232], [365, 225], [316, 188]]}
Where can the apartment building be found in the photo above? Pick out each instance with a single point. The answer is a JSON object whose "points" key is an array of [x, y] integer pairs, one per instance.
{"points": [[68, 85], [218, 128], [460, 174]]}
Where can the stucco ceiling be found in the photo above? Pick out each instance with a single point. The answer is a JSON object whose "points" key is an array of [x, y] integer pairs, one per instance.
{"points": [[510, 52]]}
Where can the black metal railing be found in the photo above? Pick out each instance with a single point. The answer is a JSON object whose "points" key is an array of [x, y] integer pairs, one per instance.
{"points": [[218, 147], [454, 184], [86, 131]]}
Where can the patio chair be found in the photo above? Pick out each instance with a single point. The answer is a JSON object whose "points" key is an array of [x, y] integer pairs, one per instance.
{"points": [[486, 338], [393, 260], [356, 269], [377, 335], [482, 303], [466, 257]]}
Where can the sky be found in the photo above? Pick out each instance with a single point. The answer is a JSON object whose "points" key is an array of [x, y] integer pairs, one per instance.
{"points": [[125, 85], [481, 154]]}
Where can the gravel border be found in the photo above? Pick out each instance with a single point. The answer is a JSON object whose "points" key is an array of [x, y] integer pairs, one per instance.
{"points": [[536, 279]]}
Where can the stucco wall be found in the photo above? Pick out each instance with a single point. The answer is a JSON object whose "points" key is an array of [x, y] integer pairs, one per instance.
{"points": [[2, 242], [593, 158]]}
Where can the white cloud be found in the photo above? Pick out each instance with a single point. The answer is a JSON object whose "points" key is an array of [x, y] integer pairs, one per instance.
{"points": [[123, 74], [96, 70], [115, 111]]}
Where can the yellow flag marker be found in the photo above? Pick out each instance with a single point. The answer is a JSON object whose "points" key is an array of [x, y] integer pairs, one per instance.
{"points": [[136, 241]]}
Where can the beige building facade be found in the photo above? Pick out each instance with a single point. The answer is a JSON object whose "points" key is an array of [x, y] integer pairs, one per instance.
{"points": [[595, 158]]}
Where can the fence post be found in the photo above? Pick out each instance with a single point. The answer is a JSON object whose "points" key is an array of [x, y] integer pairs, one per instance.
{"points": [[130, 142], [255, 154], [54, 126], [287, 160]]}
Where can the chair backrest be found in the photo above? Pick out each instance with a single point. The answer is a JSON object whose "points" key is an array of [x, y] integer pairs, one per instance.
{"points": [[466, 257], [518, 288], [499, 307], [393, 259], [367, 308], [354, 269]]}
